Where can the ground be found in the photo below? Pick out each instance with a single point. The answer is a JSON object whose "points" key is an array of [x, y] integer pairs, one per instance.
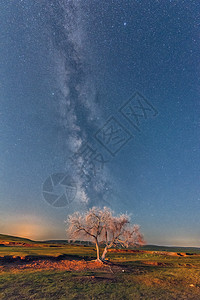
{"points": [[49, 271]]}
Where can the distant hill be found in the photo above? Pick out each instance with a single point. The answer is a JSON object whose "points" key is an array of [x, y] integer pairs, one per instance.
{"points": [[68, 242], [146, 247], [10, 238], [170, 248]]}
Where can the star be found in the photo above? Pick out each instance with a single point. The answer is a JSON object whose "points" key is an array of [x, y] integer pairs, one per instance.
{"points": [[125, 23]]}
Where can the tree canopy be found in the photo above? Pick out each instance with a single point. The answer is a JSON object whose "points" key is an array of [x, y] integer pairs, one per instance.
{"points": [[101, 226]]}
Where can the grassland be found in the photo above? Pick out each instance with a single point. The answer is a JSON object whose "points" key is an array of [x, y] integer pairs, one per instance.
{"points": [[138, 275]]}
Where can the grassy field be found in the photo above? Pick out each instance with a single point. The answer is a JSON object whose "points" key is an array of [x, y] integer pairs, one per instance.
{"points": [[129, 276]]}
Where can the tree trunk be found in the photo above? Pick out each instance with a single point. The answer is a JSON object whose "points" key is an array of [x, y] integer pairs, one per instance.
{"points": [[97, 248], [104, 253]]}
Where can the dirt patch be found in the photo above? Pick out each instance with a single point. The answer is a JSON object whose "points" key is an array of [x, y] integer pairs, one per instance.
{"points": [[151, 252], [17, 264], [156, 263], [68, 265], [128, 251], [18, 244], [28, 258], [62, 262]]}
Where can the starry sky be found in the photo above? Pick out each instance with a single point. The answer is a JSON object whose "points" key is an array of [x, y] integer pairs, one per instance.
{"points": [[69, 72]]}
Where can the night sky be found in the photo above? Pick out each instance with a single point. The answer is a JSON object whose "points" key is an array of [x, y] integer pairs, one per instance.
{"points": [[70, 71]]}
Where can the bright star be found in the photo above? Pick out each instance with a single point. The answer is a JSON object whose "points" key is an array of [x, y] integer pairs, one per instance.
{"points": [[125, 23]]}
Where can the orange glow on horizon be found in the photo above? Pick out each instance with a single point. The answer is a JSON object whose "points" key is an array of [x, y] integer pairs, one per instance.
{"points": [[32, 227]]}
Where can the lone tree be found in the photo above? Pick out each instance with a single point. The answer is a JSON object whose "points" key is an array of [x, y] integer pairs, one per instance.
{"points": [[102, 227]]}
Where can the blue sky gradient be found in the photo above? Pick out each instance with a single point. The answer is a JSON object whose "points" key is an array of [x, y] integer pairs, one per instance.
{"points": [[66, 68]]}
